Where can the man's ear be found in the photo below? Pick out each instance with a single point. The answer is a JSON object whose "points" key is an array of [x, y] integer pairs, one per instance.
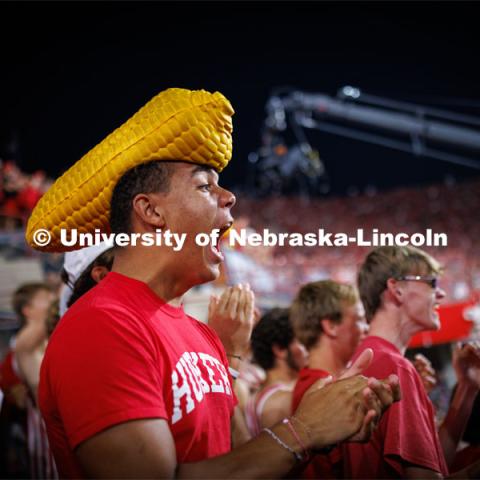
{"points": [[98, 272], [279, 352], [148, 209], [329, 328], [394, 290]]}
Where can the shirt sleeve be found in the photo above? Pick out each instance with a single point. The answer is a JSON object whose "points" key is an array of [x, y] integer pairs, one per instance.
{"points": [[408, 433], [114, 377]]}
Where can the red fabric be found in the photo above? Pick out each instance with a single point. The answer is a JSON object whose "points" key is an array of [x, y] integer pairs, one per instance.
{"points": [[121, 353], [406, 433], [11, 207], [28, 197], [8, 376], [306, 378], [321, 466]]}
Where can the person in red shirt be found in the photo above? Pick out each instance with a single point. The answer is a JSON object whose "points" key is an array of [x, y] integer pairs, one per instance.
{"points": [[399, 289], [329, 319], [130, 385], [281, 355]]}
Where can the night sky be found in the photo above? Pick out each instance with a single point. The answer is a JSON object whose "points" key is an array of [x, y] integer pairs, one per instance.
{"points": [[72, 72]]}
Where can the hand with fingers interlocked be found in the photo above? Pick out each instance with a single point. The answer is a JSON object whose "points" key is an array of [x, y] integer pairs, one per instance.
{"points": [[232, 316], [348, 408]]}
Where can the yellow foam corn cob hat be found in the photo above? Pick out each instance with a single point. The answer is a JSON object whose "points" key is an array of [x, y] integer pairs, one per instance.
{"points": [[177, 124]]}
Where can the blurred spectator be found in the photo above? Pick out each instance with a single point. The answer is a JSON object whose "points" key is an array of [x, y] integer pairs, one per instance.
{"points": [[329, 319], [471, 439], [13, 421], [281, 355], [442, 208], [32, 303], [19, 192]]}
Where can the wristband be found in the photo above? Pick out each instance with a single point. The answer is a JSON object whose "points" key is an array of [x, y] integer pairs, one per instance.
{"points": [[297, 456], [289, 424], [234, 373], [322, 451]]}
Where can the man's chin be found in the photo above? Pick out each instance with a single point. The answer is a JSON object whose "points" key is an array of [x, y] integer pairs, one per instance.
{"points": [[209, 274], [429, 325], [435, 324]]}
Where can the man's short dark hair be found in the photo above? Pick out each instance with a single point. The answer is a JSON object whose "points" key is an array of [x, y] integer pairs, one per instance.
{"points": [[273, 329], [149, 177]]}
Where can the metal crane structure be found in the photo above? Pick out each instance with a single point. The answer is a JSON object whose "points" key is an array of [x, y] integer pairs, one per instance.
{"points": [[415, 129]]}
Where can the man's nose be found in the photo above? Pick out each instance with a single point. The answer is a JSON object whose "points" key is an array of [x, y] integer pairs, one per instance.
{"points": [[440, 293], [227, 198]]}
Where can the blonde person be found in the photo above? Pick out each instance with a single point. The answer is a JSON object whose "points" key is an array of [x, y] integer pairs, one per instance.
{"points": [[329, 319], [399, 287]]}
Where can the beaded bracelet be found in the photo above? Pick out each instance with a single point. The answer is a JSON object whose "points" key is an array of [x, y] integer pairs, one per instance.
{"points": [[297, 456]]}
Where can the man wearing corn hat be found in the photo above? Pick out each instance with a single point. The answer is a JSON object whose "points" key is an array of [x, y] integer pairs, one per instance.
{"points": [[130, 385]]}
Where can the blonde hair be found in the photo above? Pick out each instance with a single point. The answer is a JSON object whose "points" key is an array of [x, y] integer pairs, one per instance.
{"points": [[390, 262], [316, 301]]}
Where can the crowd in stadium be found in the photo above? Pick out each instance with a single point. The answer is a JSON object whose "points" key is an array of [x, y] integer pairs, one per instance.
{"points": [[107, 376], [19, 194], [289, 348], [448, 207]]}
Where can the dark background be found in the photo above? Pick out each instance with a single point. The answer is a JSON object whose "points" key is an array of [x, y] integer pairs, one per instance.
{"points": [[72, 72]]}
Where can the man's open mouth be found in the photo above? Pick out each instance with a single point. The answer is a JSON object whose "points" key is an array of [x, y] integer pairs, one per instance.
{"points": [[221, 232]]}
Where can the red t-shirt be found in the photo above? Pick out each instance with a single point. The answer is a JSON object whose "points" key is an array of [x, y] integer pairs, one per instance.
{"points": [[8, 375], [121, 353], [406, 433], [306, 378], [321, 466]]}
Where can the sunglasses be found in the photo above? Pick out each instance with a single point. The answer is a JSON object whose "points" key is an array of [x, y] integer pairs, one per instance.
{"points": [[428, 279]]}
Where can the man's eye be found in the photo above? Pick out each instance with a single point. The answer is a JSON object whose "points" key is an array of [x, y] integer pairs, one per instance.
{"points": [[206, 187]]}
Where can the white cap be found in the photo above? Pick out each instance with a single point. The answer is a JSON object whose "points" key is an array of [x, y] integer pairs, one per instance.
{"points": [[75, 264]]}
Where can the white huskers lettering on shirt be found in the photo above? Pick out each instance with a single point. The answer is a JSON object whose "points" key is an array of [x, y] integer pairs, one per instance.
{"points": [[191, 382]]}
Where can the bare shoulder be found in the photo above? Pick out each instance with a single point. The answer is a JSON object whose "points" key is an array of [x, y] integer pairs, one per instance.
{"points": [[277, 407], [279, 398], [27, 339]]}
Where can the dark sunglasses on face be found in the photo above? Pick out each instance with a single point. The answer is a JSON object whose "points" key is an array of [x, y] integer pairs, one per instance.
{"points": [[428, 279]]}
